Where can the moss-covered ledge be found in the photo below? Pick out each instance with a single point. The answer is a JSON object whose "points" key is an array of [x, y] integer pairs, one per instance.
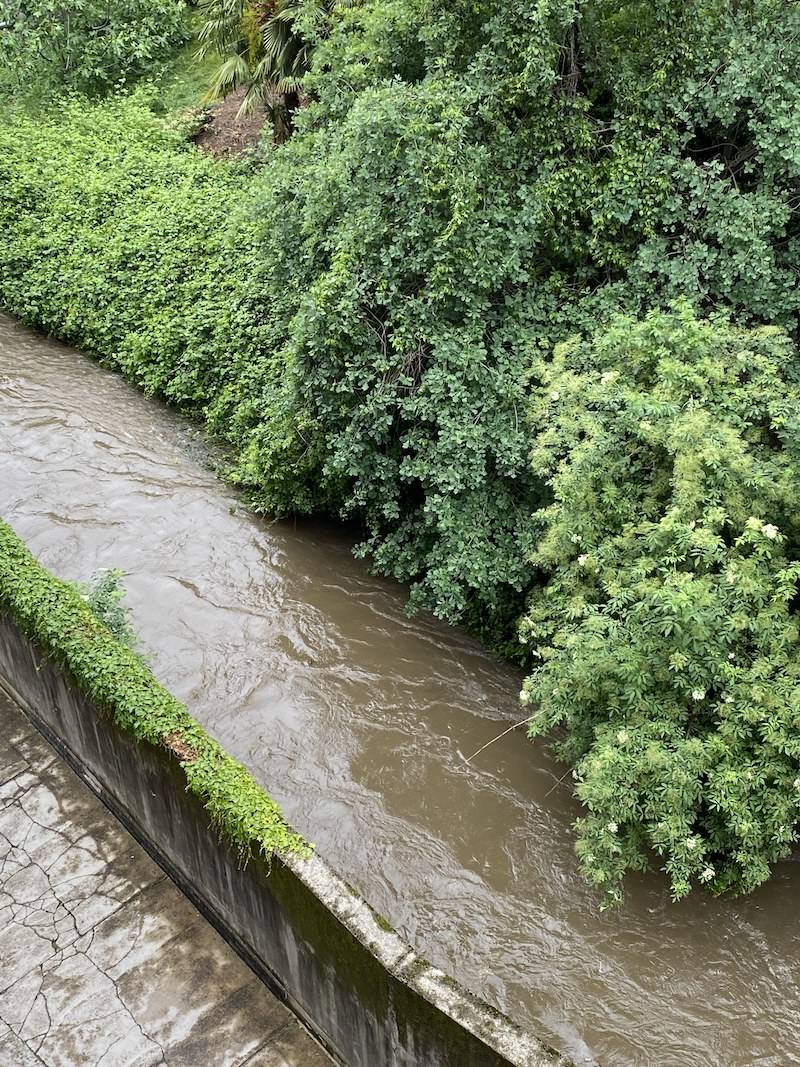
{"points": [[54, 615]]}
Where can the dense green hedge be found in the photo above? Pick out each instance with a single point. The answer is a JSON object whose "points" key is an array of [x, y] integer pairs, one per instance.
{"points": [[55, 616]]}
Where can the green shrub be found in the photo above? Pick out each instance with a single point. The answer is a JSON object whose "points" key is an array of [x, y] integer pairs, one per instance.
{"points": [[117, 239], [83, 45], [105, 595], [667, 632], [475, 183], [57, 618]]}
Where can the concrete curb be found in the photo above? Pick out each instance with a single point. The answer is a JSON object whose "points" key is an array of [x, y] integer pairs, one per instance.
{"points": [[366, 995]]}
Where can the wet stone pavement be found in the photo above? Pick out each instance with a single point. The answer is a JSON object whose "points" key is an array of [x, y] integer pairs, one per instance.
{"points": [[103, 961]]}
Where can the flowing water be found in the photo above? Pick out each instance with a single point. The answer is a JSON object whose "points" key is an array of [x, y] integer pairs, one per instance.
{"points": [[360, 721]]}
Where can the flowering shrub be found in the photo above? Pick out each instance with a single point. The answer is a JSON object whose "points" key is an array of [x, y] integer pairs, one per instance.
{"points": [[667, 635]]}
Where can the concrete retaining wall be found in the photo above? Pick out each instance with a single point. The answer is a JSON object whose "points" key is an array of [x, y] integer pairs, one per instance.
{"points": [[364, 993]]}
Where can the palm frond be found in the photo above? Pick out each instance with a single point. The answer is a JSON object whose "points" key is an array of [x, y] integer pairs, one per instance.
{"points": [[268, 54], [232, 73]]}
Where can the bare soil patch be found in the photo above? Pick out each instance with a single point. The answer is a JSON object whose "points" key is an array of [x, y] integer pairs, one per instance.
{"points": [[226, 135], [175, 744]]}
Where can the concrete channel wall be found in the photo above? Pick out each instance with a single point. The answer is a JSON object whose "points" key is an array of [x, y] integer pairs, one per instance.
{"points": [[365, 994]]}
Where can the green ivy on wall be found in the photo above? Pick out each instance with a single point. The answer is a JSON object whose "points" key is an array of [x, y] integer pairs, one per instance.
{"points": [[58, 620]]}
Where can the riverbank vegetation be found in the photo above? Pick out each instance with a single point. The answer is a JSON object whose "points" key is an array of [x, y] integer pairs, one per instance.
{"points": [[519, 295]]}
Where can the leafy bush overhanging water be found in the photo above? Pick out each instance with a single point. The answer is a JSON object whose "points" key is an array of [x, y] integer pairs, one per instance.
{"points": [[410, 316], [667, 632]]}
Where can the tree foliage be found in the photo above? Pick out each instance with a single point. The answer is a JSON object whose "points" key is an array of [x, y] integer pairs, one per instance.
{"points": [[83, 45]]}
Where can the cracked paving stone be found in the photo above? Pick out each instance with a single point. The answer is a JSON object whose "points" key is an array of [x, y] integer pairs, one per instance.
{"points": [[168, 946], [32, 747], [103, 961], [15, 788], [292, 1047], [78, 1017], [11, 764], [15, 1053]]}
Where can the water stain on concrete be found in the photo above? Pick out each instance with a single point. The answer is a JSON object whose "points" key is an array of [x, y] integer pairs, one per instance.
{"points": [[103, 961]]}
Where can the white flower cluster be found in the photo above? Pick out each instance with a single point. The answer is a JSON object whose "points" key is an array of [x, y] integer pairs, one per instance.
{"points": [[768, 529]]}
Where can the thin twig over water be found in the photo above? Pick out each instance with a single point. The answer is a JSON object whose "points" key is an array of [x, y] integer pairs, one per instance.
{"points": [[503, 734]]}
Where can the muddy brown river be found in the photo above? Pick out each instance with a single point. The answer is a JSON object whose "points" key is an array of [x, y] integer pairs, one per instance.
{"points": [[359, 721]]}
